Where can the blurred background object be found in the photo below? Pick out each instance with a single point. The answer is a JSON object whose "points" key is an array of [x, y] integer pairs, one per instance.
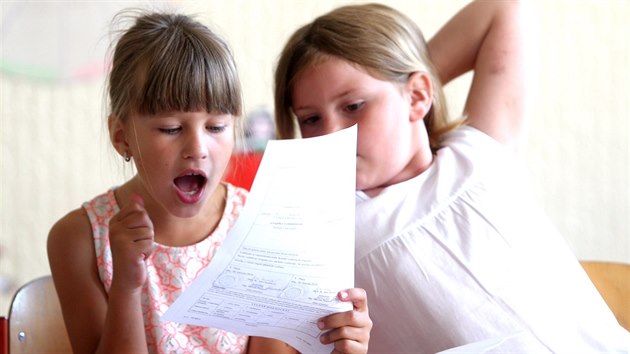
{"points": [[259, 129]]}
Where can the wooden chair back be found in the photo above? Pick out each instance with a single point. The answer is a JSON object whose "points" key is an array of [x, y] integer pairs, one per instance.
{"points": [[35, 321], [612, 280]]}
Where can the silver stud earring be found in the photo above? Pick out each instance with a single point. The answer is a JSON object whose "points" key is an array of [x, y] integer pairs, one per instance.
{"points": [[127, 157]]}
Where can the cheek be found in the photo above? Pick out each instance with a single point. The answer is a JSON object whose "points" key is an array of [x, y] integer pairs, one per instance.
{"points": [[152, 162], [227, 146], [152, 154], [222, 150], [369, 133]]}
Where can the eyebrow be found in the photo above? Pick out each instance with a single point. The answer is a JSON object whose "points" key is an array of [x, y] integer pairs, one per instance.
{"points": [[335, 97]]}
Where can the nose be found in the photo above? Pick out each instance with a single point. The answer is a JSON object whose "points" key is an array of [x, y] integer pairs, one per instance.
{"points": [[333, 123], [194, 146]]}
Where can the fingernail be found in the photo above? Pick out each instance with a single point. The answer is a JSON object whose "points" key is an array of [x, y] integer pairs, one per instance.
{"points": [[343, 295], [138, 199], [320, 324], [323, 338]]}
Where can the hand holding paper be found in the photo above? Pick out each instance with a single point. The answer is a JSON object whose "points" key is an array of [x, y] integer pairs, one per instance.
{"points": [[356, 338]]}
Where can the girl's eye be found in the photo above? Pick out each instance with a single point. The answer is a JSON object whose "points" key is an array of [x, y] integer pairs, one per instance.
{"points": [[216, 128], [353, 107], [170, 131], [309, 120]]}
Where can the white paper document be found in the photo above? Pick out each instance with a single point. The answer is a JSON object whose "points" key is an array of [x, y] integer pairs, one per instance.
{"points": [[290, 251]]}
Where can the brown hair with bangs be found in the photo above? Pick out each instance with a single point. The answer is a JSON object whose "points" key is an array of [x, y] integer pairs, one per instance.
{"points": [[170, 62], [379, 39]]}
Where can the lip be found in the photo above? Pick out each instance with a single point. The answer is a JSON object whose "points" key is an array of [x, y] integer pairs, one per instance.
{"points": [[186, 197]]}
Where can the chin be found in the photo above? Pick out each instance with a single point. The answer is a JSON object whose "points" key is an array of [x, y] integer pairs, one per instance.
{"points": [[363, 185]]}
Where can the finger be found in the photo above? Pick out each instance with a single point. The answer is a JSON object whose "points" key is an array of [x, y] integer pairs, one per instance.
{"points": [[139, 220], [135, 234], [346, 326], [354, 334], [137, 227], [133, 241], [349, 347], [127, 211], [139, 216], [136, 203], [145, 247], [359, 317], [133, 215], [137, 198], [358, 297], [352, 318]]}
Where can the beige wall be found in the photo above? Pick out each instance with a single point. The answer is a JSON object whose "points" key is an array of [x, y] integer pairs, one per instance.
{"points": [[55, 155]]}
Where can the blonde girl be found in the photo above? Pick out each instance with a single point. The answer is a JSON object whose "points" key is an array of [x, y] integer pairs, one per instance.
{"points": [[450, 245]]}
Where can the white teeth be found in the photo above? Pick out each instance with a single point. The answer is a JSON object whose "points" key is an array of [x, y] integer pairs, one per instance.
{"points": [[191, 193]]}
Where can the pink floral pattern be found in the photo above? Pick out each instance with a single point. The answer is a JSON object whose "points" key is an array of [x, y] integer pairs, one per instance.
{"points": [[170, 270]]}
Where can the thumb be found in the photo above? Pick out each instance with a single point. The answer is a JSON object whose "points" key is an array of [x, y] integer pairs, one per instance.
{"points": [[137, 198]]}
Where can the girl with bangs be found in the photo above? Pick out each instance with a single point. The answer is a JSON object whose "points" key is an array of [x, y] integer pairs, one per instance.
{"points": [[120, 260]]}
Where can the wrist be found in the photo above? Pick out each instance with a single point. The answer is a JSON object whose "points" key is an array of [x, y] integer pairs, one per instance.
{"points": [[124, 290]]}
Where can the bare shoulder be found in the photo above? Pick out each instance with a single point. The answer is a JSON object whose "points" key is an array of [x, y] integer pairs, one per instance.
{"points": [[72, 220], [71, 252], [70, 247], [71, 231]]}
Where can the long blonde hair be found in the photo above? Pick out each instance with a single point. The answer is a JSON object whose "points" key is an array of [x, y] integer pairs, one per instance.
{"points": [[378, 38]]}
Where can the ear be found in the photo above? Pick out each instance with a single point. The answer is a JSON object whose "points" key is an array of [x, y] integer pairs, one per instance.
{"points": [[420, 91], [117, 135]]}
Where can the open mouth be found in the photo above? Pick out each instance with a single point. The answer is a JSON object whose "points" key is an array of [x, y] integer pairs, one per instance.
{"points": [[190, 184]]}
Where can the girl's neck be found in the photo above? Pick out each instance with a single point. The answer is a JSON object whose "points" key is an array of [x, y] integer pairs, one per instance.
{"points": [[420, 159], [419, 163], [173, 231], [178, 232]]}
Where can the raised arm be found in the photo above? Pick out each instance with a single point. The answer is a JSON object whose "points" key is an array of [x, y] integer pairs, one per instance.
{"points": [[96, 322], [489, 38]]}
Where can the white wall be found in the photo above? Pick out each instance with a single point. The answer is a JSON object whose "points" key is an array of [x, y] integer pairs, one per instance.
{"points": [[55, 154]]}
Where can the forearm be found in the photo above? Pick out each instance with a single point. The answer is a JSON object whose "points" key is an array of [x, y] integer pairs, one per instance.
{"points": [[262, 345], [455, 48], [131, 239], [489, 38], [123, 331]]}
